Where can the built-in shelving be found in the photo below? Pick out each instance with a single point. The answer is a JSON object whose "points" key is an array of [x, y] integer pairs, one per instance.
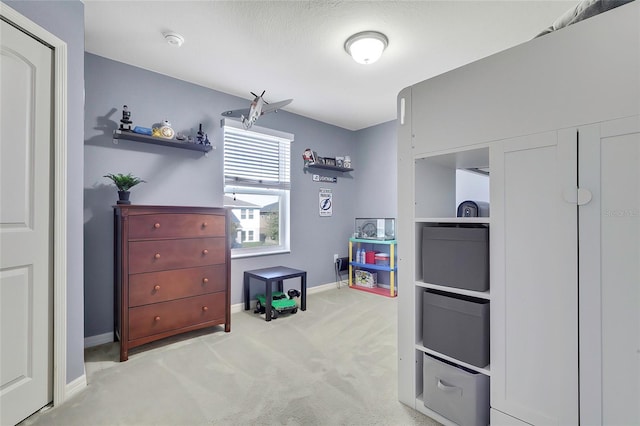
{"points": [[136, 137], [440, 182]]}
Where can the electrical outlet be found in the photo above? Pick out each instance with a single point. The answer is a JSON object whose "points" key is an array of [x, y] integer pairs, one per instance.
{"points": [[335, 257]]}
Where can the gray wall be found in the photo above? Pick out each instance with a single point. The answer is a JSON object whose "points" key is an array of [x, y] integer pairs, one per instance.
{"points": [[65, 19], [181, 177], [376, 194]]}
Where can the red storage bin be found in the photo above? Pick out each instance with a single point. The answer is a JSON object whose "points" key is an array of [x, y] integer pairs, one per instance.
{"points": [[370, 257]]}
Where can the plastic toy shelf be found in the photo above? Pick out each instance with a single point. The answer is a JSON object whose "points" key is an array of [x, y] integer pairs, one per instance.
{"points": [[374, 266], [328, 167], [375, 290], [390, 270], [136, 137]]}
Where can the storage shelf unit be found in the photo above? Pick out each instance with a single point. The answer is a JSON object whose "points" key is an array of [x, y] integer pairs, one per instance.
{"points": [[136, 137], [434, 199], [391, 269], [328, 167], [552, 276]]}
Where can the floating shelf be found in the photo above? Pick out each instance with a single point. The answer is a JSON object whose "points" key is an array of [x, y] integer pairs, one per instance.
{"points": [[328, 167], [136, 137]]}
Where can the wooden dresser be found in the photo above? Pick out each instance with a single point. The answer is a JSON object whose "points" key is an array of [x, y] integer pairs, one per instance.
{"points": [[172, 272]]}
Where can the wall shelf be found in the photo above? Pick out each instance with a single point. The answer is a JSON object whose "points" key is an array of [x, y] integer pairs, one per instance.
{"points": [[328, 167], [136, 137]]}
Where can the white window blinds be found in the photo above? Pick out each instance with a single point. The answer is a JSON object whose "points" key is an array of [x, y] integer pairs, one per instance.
{"points": [[257, 159]]}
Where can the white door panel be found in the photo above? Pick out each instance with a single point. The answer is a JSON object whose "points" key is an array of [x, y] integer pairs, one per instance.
{"points": [[25, 225], [534, 327], [610, 273], [620, 257]]}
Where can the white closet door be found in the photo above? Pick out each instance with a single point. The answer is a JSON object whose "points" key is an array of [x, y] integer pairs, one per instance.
{"points": [[610, 273], [25, 225], [534, 300]]}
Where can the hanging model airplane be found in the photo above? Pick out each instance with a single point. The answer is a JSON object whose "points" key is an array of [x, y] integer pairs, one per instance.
{"points": [[258, 107]]}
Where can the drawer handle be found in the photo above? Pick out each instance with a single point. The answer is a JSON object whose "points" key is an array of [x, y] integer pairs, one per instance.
{"points": [[157, 318], [205, 251], [156, 288], [205, 309], [204, 224], [205, 280], [157, 255], [156, 225], [448, 388]]}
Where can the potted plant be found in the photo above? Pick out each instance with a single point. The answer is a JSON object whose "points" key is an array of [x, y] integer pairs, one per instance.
{"points": [[124, 183]]}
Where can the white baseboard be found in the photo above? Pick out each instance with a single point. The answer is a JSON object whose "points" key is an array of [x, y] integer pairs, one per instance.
{"points": [[98, 339], [238, 307], [75, 386]]}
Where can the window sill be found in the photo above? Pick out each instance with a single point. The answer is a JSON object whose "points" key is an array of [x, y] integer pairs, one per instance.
{"points": [[257, 254]]}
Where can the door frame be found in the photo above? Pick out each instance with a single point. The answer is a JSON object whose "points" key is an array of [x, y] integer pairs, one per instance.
{"points": [[59, 191]]}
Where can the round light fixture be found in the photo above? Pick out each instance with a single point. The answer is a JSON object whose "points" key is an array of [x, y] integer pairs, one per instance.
{"points": [[174, 39], [366, 47]]}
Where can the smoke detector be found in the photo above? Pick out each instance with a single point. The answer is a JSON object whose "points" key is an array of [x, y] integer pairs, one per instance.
{"points": [[174, 39]]}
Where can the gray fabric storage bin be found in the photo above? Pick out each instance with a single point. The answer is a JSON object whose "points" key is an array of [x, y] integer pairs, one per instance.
{"points": [[456, 256], [458, 394], [457, 326]]}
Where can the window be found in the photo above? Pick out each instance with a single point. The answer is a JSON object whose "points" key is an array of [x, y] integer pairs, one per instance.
{"points": [[257, 184]]}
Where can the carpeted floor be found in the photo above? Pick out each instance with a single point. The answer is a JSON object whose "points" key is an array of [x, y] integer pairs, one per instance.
{"points": [[334, 364]]}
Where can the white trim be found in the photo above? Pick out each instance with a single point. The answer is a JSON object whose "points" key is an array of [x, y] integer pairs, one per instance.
{"points": [[290, 137], [98, 339], [75, 386], [239, 307], [60, 196]]}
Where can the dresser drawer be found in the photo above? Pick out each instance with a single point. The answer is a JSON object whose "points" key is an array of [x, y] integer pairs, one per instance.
{"points": [[176, 226], [154, 287], [160, 317], [149, 256]]}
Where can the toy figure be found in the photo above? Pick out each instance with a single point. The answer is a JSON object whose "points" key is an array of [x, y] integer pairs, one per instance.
{"points": [[206, 139], [200, 135], [125, 122], [308, 156]]}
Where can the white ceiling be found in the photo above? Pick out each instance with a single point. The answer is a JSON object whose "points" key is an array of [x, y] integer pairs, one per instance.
{"points": [[294, 49]]}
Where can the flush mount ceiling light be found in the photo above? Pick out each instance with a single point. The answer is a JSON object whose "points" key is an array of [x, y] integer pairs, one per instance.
{"points": [[366, 47], [174, 39]]}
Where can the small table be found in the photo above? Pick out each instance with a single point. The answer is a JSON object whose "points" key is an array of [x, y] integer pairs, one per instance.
{"points": [[269, 276]]}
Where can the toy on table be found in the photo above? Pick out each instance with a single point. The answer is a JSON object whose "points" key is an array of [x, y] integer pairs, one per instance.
{"points": [[280, 303]]}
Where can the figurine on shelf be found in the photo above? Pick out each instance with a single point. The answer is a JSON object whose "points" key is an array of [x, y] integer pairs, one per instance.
{"points": [[125, 122], [308, 157], [347, 162], [166, 131], [206, 140], [200, 135]]}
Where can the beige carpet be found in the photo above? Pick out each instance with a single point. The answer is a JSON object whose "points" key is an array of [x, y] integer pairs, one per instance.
{"points": [[334, 364]]}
